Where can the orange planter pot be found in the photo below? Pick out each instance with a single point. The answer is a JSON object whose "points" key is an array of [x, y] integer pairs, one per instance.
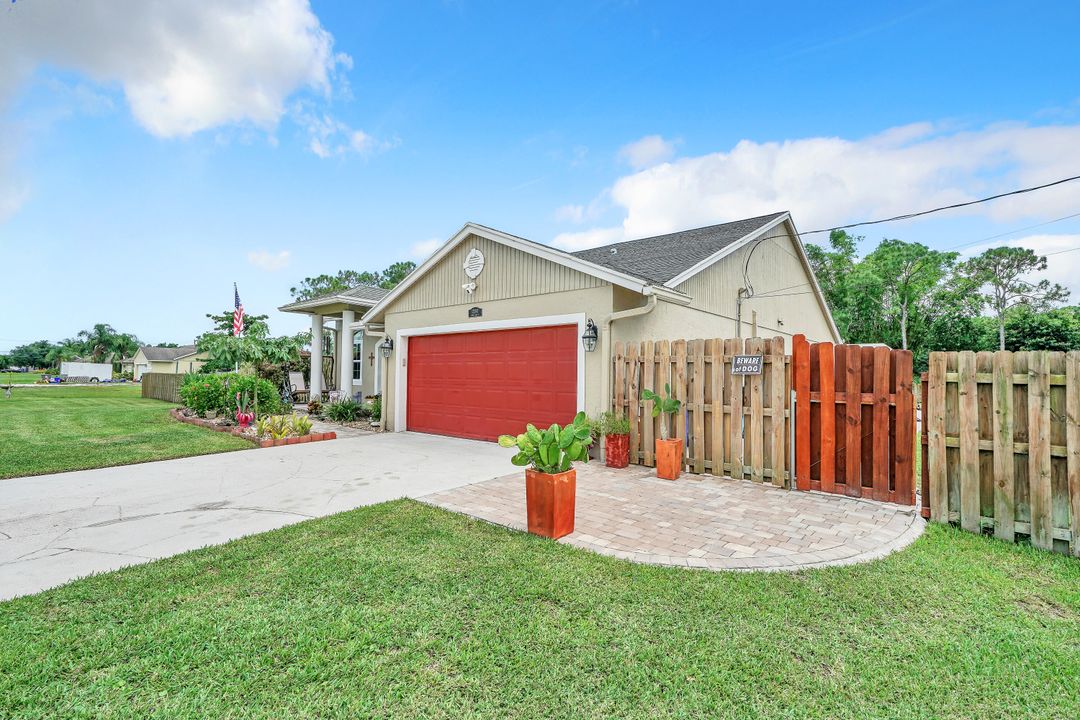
{"points": [[617, 451], [669, 456], [549, 502]]}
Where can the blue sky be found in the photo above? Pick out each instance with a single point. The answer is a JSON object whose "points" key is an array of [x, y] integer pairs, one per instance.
{"points": [[153, 153]]}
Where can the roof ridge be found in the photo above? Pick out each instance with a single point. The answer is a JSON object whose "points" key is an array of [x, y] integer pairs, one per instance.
{"points": [[765, 217]]}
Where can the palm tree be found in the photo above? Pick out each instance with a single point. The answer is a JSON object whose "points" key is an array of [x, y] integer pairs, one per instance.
{"points": [[104, 344], [67, 349]]}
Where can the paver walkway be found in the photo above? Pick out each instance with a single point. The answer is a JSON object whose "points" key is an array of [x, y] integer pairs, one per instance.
{"points": [[702, 521]]}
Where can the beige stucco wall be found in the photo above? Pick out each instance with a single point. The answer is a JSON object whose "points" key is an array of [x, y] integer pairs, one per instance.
{"points": [[179, 367], [592, 302], [774, 267], [367, 384]]}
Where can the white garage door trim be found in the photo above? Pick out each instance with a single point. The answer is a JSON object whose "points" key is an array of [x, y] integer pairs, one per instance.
{"points": [[401, 344]]}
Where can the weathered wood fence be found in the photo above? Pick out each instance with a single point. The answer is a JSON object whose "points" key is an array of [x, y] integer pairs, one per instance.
{"points": [[162, 386], [735, 425], [1001, 440], [854, 420]]}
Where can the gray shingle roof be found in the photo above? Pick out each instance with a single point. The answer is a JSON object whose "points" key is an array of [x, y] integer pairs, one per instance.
{"points": [[659, 259], [164, 353], [366, 293]]}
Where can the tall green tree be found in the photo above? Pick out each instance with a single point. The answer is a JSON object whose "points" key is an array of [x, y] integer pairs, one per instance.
{"points": [[66, 350], [31, 355], [312, 287], [103, 343], [1000, 274], [912, 276]]}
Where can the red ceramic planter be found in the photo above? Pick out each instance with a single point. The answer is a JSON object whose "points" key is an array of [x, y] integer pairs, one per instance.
{"points": [[617, 451], [549, 501]]}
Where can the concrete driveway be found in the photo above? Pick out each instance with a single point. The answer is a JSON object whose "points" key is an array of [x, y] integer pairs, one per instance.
{"points": [[55, 528]]}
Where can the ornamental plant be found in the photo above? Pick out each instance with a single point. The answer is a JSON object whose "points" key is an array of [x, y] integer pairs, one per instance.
{"points": [[553, 450], [613, 423], [662, 407]]}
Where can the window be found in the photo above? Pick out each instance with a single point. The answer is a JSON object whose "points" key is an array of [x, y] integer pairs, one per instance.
{"points": [[358, 356]]}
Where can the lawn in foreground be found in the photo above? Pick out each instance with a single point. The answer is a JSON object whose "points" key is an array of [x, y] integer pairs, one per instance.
{"points": [[52, 429], [403, 610]]}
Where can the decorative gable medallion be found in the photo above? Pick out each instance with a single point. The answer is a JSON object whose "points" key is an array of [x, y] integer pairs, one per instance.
{"points": [[474, 265]]}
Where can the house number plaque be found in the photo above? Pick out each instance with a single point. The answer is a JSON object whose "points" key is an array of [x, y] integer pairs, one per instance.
{"points": [[746, 365], [476, 312]]}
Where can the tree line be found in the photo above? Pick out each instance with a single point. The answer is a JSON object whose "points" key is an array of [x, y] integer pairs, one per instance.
{"points": [[909, 296], [100, 344]]}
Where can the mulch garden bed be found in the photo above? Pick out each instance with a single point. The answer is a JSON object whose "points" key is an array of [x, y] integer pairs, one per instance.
{"points": [[186, 415]]}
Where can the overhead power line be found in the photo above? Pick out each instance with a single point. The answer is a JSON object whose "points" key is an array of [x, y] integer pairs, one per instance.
{"points": [[909, 216]]}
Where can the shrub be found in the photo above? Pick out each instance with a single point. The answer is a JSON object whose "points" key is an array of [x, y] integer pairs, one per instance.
{"points": [[301, 425], [612, 423], [204, 393], [344, 410], [376, 408], [314, 407]]}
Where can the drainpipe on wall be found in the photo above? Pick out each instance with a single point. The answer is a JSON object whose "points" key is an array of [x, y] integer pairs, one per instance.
{"points": [[605, 339]]}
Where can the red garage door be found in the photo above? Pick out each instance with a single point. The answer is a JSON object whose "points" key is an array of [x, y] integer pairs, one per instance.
{"points": [[484, 384]]}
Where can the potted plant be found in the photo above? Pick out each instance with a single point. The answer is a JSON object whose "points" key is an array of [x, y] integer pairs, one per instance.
{"points": [[244, 416], [550, 479], [616, 430], [669, 451]]}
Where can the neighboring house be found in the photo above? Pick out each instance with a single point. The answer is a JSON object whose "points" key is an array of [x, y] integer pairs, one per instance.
{"points": [[172, 361], [487, 333], [348, 355]]}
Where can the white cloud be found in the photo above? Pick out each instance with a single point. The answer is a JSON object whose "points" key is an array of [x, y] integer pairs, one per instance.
{"points": [[268, 261], [1061, 267], [589, 238], [329, 137], [826, 181], [183, 66], [647, 151], [421, 250]]}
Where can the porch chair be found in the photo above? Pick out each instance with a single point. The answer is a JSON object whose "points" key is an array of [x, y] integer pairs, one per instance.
{"points": [[300, 392]]}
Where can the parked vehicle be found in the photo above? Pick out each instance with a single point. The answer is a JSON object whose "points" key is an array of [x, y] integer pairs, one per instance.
{"points": [[669, 451], [550, 478]]}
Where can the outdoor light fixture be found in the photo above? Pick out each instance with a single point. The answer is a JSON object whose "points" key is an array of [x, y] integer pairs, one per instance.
{"points": [[588, 338], [386, 347]]}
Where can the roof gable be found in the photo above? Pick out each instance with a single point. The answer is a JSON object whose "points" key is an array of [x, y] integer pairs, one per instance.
{"points": [[546, 252], [167, 354], [664, 258]]}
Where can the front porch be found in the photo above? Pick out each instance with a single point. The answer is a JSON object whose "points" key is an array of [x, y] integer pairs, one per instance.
{"points": [[703, 521]]}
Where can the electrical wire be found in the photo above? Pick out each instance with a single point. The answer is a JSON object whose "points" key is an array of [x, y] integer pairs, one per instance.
{"points": [[909, 216]]}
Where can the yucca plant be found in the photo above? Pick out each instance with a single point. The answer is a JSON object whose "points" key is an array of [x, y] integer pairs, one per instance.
{"points": [[553, 450]]}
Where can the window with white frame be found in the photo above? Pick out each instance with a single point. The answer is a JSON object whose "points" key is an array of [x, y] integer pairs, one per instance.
{"points": [[358, 356]]}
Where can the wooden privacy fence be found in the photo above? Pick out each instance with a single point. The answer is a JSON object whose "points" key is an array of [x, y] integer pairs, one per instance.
{"points": [[732, 425], [854, 420], [1001, 440], [162, 386]]}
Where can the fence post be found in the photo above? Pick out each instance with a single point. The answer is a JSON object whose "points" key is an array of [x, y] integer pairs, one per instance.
{"points": [[1072, 445], [800, 371], [934, 415]]}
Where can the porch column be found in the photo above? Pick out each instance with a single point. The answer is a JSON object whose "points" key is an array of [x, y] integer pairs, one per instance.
{"points": [[316, 356], [337, 351], [345, 352]]}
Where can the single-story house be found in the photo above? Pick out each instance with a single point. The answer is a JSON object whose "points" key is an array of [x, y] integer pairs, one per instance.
{"points": [[348, 356], [173, 361], [490, 331]]}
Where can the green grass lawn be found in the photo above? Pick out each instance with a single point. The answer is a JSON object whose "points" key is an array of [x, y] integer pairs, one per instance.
{"points": [[51, 429], [27, 378], [402, 610]]}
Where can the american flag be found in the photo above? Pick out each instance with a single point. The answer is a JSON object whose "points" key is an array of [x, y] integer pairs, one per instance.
{"points": [[238, 313]]}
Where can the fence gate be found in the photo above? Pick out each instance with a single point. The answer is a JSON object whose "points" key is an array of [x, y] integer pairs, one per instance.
{"points": [[736, 425], [854, 420], [1001, 442]]}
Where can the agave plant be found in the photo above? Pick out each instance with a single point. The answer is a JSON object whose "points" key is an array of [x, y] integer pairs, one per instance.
{"points": [[553, 450]]}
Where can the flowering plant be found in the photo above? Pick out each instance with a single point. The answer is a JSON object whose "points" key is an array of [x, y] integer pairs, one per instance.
{"points": [[244, 416]]}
